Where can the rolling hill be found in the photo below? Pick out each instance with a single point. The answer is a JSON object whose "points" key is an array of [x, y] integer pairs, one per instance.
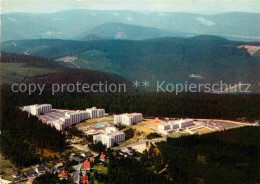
{"points": [[71, 23], [196, 59], [28, 69], [125, 31]]}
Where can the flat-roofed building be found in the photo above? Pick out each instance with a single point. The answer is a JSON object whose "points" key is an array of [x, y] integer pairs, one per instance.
{"points": [[128, 119], [37, 109], [183, 123], [61, 119], [164, 126], [95, 113], [109, 138], [174, 126]]}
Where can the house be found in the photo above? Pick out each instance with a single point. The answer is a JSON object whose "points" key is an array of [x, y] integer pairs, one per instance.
{"points": [[92, 159], [59, 165], [40, 169], [86, 154], [31, 174], [102, 157], [16, 174], [30, 181], [63, 174], [72, 155], [84, 179], [86, 166]]}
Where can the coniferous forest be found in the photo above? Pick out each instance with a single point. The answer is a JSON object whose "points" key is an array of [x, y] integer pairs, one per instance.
{"points": [[195, 158]]}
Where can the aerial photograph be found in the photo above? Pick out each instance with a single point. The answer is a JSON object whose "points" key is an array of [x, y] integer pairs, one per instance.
{"points": [[130, 92]]}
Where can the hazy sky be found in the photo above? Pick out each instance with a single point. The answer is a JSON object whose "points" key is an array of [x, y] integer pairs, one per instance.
{"points": [[200, 6]]}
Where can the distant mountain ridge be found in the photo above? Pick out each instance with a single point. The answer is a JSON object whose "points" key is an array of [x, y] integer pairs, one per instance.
{"points": [[113, 30], [71, 23], [172, 59]]}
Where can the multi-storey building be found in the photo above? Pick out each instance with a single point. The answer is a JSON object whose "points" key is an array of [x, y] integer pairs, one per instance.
{"points": [[37, 109], [61, 119], [95, 113], [128, 119], [109, 138]]}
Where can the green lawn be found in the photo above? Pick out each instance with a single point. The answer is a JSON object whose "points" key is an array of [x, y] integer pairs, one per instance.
{"points": [[100, 169]]}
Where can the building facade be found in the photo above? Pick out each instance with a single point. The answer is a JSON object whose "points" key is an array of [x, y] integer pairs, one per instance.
{"points": [[36, 109], [128, 119], [61, 119], [109, 138]]}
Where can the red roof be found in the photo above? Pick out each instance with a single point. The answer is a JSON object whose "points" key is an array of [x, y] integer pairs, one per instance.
{"points": [[63, 174], [86, 165], [85, 179], [92, 159], [102, 156], [30, 181]]}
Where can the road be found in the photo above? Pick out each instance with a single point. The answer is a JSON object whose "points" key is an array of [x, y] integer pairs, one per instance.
{"points": [[76, 173], [81, 147]]}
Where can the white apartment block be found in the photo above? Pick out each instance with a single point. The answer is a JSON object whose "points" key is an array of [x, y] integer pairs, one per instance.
{"points": [[183, 123], [170, 126], [164, 127], [109, 138], [37, 109], [61, 119], [95, 113], [128, 119]]}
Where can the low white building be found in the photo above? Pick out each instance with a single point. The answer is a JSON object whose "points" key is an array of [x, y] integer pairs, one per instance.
{"points": [[183, 123], [128, 119], [164, 127], [109, 138], [175, 125]]}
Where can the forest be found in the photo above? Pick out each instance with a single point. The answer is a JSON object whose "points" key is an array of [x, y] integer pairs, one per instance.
{"points": [[231, 156], [19, 129], [151, 104], [24, 137]]}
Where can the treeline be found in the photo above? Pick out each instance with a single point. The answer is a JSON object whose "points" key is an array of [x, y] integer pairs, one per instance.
{"points": [[23, 137], [151, 104], [128, 170], [17, 150], [28, 60], [231, 156]]}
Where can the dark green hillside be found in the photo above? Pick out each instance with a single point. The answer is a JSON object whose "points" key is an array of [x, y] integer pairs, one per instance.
{"points": [[114, 30], [22, 68], [198, 59], [231, 156], [16, 68]]}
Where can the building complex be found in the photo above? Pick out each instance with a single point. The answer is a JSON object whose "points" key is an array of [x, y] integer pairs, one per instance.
{"points": [[128, 119], [61, 119]]}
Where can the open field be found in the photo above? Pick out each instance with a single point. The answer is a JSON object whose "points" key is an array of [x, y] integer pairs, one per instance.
{"points": [[100, 169], [203, 130], [94, 121], [13, 72], [143, 127]]}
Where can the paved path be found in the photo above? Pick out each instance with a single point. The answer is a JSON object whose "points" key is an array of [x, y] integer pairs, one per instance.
{"points": [[76, 173]]}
